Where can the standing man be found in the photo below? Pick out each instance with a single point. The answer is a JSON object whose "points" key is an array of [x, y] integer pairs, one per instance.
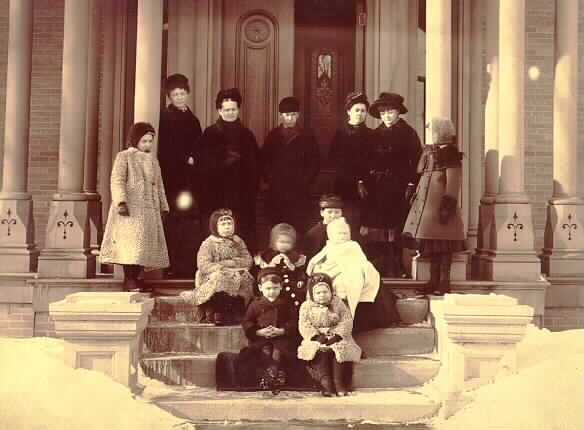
{"points": [[290, 162]]}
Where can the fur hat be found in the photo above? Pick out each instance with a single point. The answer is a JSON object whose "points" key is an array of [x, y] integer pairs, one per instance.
{"points": [[269, 271], [176, 81], [355, 98], [216, 216], [330, 201], [444, 131], [289, 104], [337, 224], [280, 229], [228, 94], [318, 278], [137, 131], [388, 101]]}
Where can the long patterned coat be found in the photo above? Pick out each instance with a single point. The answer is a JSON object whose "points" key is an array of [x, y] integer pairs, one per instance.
{"points": [[439, 178], [214, 275], [138, 238], [338, 319]]}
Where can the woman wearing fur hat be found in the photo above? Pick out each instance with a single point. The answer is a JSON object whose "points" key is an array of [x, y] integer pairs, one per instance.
{"points": [[349, 154], [434, 220], [390, 168], [180, 131], [134, 236], [223, 276], [290, 163], [326, 325], [229, 167]]}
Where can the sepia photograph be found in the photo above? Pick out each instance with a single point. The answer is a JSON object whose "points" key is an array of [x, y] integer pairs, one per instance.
{"points": [[291, 214]]}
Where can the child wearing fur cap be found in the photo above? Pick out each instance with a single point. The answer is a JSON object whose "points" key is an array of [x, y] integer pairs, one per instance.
{"points": [[434, 220], [355, 279], [325, 324], [289, 162], [223, 278], [331, 207], [290, 263]]}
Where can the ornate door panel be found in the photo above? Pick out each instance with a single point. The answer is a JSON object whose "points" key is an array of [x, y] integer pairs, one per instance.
{"points": [[258, 56]]}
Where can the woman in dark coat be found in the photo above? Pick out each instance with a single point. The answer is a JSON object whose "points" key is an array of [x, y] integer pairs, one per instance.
{"points": [[229, 168], [290, 163], [391, 167], [348, 154], [180, 131]]}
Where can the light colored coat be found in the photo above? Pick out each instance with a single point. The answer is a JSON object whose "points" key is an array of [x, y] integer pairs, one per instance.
{"points": [[423, 218], [354, 277], [335, 317], [138, 238]]}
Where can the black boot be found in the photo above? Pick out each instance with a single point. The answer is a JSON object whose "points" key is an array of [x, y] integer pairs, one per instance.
{"points": [[341, 377], [320, 368], [445, 265], [131, 272], [434, 282]]}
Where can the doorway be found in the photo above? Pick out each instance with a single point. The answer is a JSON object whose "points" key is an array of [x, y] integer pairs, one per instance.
{"points": [[324, 59]]}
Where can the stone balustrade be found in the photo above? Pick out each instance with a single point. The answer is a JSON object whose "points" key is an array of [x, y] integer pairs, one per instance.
{"points": [[102, 331]]}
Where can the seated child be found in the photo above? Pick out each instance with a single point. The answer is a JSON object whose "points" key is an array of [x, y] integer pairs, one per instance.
{"points": [[355, 279], [325, 325], [331, 207], [270, 325], [223, 277], [282, 255]]}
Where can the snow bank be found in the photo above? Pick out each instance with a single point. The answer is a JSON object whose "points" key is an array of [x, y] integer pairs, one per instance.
{"points": [[37, 391], [546, 393]]}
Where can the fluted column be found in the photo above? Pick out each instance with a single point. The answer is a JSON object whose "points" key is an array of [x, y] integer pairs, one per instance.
{"points": [[438, 61], [511, 255], [564, 238], [148, 61], [18, 252], [67, 252]]}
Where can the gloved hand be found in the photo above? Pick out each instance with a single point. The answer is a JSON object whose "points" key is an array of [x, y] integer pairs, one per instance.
{"points": [[123, 209], [447, 209], [336, 338]]}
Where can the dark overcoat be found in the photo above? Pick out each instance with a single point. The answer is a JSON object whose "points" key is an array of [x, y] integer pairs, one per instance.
{"points": [[349, 154], [391, 166], [314, 240], [229, 174], [177, 141], [290, 162]]}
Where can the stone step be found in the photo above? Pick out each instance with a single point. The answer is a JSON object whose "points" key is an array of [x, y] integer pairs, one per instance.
{"points": [[259, 409], [380, 372], [186, 337]]}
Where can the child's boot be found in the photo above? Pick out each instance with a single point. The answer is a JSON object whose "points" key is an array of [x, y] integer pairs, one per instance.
{"points": [[434, 281], [445, 274], [341, 377]]}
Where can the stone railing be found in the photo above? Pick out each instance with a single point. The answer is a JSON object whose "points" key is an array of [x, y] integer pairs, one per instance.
{"points": [[102, 331], [474, 332]]}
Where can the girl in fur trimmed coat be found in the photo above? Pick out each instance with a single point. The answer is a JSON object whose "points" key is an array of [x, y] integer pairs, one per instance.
{"points": [[325, 325], [290, 263]]}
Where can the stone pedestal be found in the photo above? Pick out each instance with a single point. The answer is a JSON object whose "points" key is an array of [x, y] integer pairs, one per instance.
{"points": [[95, 220], [474, 333], [18, 252], [67, 252], [102, 331], [458, 271]]}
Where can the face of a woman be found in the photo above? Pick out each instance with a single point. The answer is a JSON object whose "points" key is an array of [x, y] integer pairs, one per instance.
{"points": [[389, 116], [145, 143], [225, 227], [357, 114], [229, 111], [178, 97], [321, 293]]}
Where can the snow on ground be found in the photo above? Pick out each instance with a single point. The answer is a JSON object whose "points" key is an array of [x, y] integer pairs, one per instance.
{"points": [[546, 393], [38, 391]]}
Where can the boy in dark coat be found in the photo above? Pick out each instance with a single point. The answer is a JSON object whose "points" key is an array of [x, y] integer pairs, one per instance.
{"points": [[271, 326], [229, 172], [180, 131], [290, 163], [331, 207]]}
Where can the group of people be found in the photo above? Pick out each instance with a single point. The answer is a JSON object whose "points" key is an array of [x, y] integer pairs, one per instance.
{"points": [[309, 286]]}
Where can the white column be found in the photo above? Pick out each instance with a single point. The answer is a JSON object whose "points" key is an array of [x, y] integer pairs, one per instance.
{"points": [[148, 62], [438, 60], [564, 238], [67, 252], [18, 252], [511, 254]]}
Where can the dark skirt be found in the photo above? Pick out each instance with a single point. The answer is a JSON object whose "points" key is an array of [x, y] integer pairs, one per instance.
{"points": [[381, 313]]}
